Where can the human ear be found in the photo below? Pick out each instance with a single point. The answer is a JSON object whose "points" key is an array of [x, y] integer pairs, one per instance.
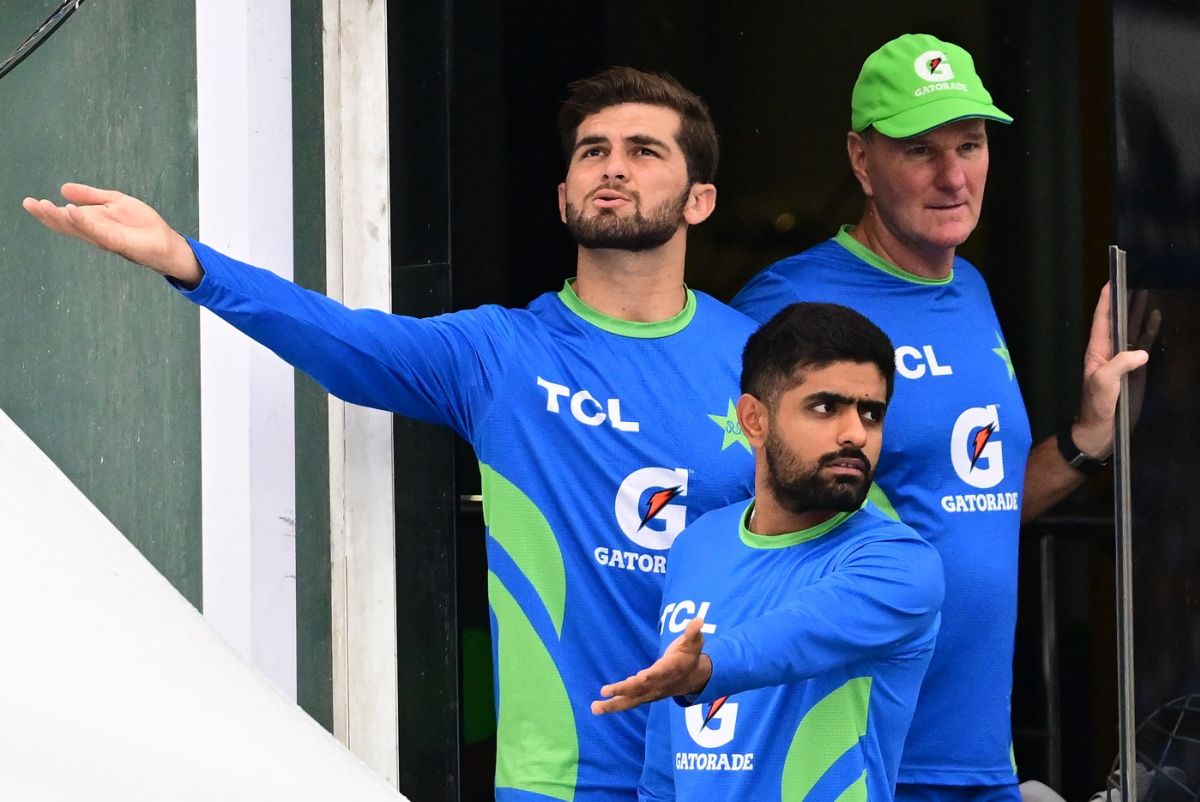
{"points": [[856, 149], [753, 418], [702, 200]]}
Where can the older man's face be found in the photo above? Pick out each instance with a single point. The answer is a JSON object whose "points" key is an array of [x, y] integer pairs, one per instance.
{"points": [[928, 190]]}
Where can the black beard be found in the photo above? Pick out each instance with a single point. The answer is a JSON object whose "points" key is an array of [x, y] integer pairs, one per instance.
{"points": [[635, 233], [799, 487]]}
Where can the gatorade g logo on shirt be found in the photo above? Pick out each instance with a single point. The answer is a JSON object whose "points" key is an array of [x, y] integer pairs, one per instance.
{"points": [[975, 449], [714, 727], [932, 65], [648, 506]]}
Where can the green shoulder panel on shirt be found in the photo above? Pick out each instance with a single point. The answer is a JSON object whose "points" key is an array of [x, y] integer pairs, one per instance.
{"points": [[537, 748], [829, 729], [520, 528]]}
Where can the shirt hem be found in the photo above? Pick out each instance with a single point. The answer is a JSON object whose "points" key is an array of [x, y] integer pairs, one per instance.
{"points": [[953, 777]]}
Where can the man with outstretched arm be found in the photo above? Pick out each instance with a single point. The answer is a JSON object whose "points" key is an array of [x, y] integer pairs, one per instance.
{"points": [[957, 465], [598, 413], [808, 615]]}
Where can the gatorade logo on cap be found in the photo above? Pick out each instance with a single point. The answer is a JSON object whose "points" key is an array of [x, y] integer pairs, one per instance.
{"points": [[932, 65]]}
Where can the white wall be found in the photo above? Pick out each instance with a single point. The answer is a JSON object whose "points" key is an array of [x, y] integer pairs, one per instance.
{"points": [[115, 688]]}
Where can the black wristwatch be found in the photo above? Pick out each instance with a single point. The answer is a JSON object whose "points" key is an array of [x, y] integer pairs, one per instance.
{"points": [[1075, 457]]}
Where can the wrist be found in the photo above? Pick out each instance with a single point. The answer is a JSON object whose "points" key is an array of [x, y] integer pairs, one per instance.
{"points": [[700, 675], [182, 265], [1095, 441], [1082, 452]]}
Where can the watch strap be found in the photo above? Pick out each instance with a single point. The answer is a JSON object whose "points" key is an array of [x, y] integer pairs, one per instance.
{"points": [[1075, 456]]}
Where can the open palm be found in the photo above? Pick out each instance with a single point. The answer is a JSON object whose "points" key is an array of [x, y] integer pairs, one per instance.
{"points": [[120, 224]]}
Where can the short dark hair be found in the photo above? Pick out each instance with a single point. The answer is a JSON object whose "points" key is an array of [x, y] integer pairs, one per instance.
{"points": [[697, 135], [811, 335]]}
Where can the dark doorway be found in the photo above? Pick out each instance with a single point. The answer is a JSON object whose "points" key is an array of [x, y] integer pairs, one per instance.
{"points": [[475, 163]]}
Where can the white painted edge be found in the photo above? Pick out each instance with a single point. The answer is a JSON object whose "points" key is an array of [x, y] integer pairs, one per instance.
{"points": [[248, 467], [362, 505]]}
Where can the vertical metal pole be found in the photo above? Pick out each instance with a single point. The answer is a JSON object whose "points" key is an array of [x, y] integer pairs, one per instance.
{"points": [[1053, 716], [1127, 724]]}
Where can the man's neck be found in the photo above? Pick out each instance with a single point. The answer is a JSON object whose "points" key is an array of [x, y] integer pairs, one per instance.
{"points": [[934, 263], [640, 287], [770, 518]]}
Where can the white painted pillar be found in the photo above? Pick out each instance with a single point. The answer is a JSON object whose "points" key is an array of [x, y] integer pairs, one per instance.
{"points": [[361, 494], [244, 99]]}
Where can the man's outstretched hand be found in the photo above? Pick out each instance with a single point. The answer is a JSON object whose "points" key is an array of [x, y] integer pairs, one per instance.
{"points": [[1103, 369], [123, 225], [682, 670]]}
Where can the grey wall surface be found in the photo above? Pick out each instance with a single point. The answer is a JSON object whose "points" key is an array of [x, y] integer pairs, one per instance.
{"points": [[98, 362]]}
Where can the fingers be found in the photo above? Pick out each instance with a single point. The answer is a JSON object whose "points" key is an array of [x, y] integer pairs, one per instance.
{"points": [[86, 195], [617, 704], [52, 217], [1100, 337], [692, 635], [627, 694], [626, 686], [1125, 362]]}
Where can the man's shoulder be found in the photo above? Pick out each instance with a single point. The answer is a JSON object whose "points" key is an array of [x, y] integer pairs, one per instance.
{"points": [[720, 312], [871, 523], [714, 526], [818, 273], [967, 273], [809, 264]]}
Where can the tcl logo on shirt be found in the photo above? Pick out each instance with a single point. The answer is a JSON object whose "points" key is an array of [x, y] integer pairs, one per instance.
{"points": [[585, 408], [913, 363]]}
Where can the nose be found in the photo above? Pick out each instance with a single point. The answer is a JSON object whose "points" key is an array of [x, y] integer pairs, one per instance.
{"points": [[950, 174], [616, 166], [852, 432]]}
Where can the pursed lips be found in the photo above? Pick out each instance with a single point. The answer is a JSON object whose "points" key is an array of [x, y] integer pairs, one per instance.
{"points": [[606, 196]]}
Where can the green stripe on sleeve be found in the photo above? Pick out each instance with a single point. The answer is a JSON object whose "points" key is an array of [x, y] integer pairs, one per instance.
{"points": [[537, 747]]}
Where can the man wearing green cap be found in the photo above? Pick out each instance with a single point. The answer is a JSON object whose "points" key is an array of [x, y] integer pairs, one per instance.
{"points": [[957, 464]]}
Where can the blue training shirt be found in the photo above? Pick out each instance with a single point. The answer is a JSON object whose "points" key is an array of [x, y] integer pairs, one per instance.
{"points": [[818, 639], [598, 441], [955, 446]]}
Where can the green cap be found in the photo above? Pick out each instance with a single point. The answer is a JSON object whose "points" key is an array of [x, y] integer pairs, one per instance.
{"points": [[916, 83]]}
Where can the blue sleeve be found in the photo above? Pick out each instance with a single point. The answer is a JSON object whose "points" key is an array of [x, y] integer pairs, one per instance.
{"points": [[658, 772], [885, 596], [440, 370], [764, 295]]}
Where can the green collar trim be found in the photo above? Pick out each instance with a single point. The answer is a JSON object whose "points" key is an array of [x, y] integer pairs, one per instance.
{"points": [[869, 256], [628, 328], [790, 538]]}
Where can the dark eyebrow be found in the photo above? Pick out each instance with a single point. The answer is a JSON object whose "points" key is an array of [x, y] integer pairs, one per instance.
{"points": [[636, 139], [588, 141], [878, 407], [645, 139]]}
